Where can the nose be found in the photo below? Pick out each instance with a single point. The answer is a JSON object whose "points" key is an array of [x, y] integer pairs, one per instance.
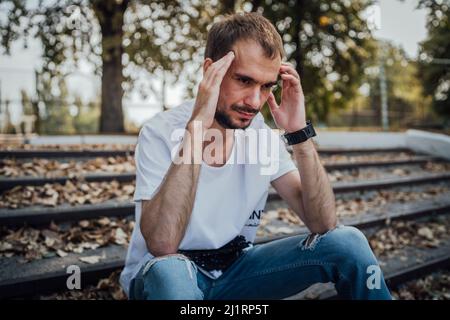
{"points": [[253, 99]]}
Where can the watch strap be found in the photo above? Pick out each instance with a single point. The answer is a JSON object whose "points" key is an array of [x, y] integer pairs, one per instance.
{"points": [[300, 135]]}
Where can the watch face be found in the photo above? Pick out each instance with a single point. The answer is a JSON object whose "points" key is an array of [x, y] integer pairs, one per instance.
{"points": [[299, 136], [309, 132]]}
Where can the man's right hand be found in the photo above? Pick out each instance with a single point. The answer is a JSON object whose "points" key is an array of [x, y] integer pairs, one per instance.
{"points": [[209, 89]]}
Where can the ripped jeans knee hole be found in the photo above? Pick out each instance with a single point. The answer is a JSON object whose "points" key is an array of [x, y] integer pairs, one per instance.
{"points": [[311, 241], [177, 256]]}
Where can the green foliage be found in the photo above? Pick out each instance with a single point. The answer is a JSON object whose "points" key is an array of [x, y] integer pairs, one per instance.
{"points": [[434, 69], [87, 118], [328, 42], [56, 112], [56, 118], [404, 88]]}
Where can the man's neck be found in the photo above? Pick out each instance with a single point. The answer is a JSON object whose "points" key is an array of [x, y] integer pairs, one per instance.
{"points": [[227, 140], [226, 133]]}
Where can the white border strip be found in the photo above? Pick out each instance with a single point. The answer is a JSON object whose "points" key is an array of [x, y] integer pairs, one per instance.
{"points": [[360, 140], [430, 143], [82, 139]]}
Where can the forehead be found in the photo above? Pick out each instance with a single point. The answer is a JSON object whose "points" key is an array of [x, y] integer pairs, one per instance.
{"points": [[251, 61]]}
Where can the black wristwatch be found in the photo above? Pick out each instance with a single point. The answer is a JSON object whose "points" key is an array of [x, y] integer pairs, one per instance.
{"points": [[300, 135]]}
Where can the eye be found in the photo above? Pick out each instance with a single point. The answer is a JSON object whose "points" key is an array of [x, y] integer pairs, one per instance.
{"points": [[244, 80], [270, 87]]}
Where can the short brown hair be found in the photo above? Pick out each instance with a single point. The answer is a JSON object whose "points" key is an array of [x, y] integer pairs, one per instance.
{"points": [[243, 26]]}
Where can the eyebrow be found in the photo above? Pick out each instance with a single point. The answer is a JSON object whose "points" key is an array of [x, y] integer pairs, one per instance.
{"points": [[248, 78]]}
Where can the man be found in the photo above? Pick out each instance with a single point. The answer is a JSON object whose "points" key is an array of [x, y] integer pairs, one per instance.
{"points": [[197, 210]]}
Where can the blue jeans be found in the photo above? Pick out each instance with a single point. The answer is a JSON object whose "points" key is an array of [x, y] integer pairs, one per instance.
{"points": [[273, 270]]}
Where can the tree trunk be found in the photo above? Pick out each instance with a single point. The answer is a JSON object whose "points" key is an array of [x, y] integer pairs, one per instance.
{"points": [[35, 105], [255, 5], [298, 27], [37, 122], [163, 92], [110, 15], [228, 6]]}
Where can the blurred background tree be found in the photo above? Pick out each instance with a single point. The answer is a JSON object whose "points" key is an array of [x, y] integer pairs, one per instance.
{"points": [[129, 41], [87, 115], [155, 36], [434, 66], [328, 42], [405, 94], [57, 113], [53, 97]]}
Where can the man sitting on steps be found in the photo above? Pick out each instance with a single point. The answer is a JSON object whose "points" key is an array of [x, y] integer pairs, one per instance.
{"points": [[203, 178]]}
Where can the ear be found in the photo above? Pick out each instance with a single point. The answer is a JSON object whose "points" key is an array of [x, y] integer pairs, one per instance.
{"points": [[206, 63]]}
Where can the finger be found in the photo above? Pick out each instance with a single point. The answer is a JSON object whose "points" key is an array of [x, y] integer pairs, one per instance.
{"points": [[272, 102], [218, 63], [287, 64], [218, 69], [290, 70], [224, 60], [216, 77], [290, 78], [223, 68]]}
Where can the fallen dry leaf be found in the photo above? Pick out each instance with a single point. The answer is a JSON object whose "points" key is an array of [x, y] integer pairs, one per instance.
{"points": [[61, 253], [400, 234], [72, 147], [91, 259], [73, 193], [435, 286], [120, 237], [344, 158], [48, 168], [31, 243], [106, 289]]}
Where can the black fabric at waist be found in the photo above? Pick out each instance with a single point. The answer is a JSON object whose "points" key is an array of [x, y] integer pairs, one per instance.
{"points": [[218, 259]]}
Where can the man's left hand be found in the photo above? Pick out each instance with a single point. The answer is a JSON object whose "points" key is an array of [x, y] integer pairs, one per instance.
{"points": [[290, 114]]}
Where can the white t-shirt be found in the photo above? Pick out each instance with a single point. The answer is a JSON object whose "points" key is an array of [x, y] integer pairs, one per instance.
{"points": [[229, 200]]}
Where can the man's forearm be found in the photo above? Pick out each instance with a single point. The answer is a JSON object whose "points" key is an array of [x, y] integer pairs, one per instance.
{"points": [[317, 193], [165, 217]]}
